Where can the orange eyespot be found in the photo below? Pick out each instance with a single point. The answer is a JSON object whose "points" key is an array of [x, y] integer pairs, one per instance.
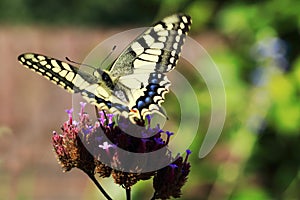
{"points": [[134, 111]]}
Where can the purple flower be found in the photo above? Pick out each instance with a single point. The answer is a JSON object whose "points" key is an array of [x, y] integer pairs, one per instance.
{"points": [[70, 112], [106, 146], [169, 180], [169, 134], [74, 145], [82, 106]]}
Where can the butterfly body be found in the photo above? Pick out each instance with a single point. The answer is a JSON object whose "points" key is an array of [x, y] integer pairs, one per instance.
{"points": [[136, 82]]}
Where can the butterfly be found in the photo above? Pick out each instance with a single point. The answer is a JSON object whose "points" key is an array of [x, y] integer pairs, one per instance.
{"points": [[135, 84]]}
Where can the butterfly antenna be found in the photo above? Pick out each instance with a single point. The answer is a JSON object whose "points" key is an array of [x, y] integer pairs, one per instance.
{"points": [[112, 50], [78, 63], [97, 112]]}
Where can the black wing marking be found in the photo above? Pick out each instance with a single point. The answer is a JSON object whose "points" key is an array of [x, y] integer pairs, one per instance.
{"points": [[139, 70], [146, 60], [157, 49], [66, 76]]}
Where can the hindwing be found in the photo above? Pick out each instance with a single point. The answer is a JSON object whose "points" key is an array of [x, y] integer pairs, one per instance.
{"points": [[136, 82]]}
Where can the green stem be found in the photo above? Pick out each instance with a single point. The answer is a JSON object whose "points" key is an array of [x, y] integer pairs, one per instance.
{"points": [[153, 198], [99, 186], [128, 194]]}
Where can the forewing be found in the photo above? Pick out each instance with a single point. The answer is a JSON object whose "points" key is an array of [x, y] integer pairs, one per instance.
{"points": [[143, 64], [67, 77], [157, 49]]}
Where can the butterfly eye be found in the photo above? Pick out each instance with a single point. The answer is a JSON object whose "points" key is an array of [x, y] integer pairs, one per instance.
{"points": [[105, 77]]}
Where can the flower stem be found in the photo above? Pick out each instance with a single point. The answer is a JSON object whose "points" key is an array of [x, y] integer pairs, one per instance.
{"points": [[128, 193], [153, 198], [92, 177]]}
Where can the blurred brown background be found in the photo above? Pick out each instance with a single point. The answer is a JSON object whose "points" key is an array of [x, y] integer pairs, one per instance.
{"points": [[255, 46]]}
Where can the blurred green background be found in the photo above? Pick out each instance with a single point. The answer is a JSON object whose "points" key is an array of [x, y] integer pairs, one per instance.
{"points": [[255, 45]]}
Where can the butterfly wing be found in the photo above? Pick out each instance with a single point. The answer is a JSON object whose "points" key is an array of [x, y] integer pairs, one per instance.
{"points": [[142, 67], [139, 76], [68, 77]]}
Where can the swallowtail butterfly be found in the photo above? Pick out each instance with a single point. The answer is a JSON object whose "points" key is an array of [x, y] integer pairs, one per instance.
{"points": [[135, 83]]}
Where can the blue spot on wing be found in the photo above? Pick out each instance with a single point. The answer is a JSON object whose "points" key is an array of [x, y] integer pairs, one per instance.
{"points": [[144, 101]]}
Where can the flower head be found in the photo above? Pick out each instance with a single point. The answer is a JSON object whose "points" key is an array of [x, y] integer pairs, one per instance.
{"points": [[69, 149], [169, 180], [101, 148]]}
